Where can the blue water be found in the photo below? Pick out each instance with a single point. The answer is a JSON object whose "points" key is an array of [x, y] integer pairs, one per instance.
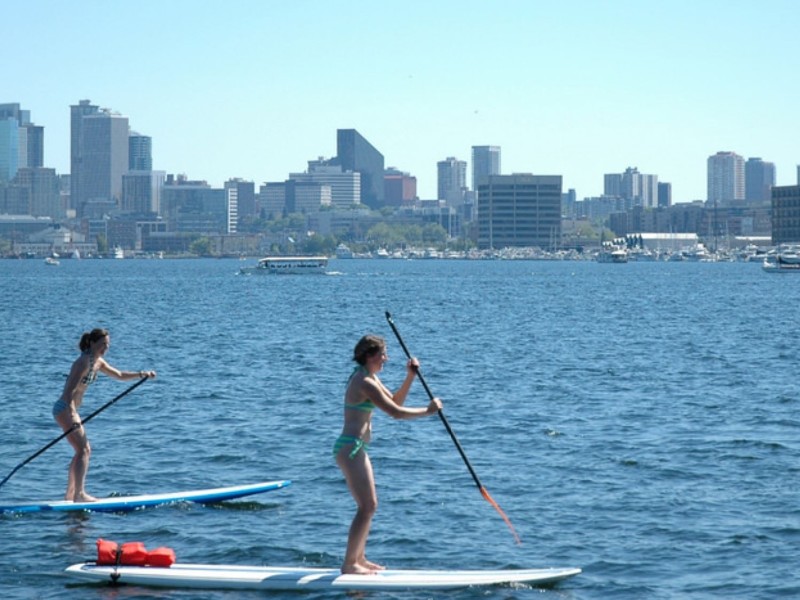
{"points": [[639, 421]]}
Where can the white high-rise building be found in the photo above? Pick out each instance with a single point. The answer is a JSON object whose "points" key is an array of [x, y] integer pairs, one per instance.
{"points": [[637, 188], [725, 177], [345, 186], [451, 180]]}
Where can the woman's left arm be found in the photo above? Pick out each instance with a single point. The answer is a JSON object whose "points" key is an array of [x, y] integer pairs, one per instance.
{"points": [[123, 375], [411, 370]]}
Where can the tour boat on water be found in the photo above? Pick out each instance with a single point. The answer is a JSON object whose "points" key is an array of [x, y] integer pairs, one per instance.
{"points": [[294, 265]]}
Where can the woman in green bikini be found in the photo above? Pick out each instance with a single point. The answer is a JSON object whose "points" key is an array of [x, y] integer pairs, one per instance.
{"points": [[93, 346], [365, 392]]}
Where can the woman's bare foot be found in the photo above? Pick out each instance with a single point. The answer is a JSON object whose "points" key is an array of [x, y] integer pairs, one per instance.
{"points": [[357, 570], [84, 497], [372, 566]]}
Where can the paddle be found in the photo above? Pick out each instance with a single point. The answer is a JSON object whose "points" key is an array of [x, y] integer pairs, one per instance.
{"points": [[482, 489], [73, 428]]}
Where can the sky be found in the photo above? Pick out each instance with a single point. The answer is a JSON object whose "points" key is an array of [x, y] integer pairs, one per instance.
{"points": [[579, 88]]}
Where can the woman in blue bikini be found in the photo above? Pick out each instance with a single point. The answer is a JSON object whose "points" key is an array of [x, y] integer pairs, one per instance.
{"points": [[365, 392], [93, 345]]}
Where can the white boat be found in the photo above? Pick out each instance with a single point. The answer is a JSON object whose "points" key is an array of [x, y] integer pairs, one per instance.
{"points": [[50, 261], [779, 266], [288, 265], [612, 254], [343, 251], [119, 252], [788, 254]]}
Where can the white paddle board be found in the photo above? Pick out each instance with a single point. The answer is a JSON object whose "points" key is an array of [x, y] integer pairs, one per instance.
{"points": [[289, 578], [126, 503]]}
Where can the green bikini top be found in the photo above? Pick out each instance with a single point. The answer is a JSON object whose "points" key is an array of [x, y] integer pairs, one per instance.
{"points": [[365, 406]]}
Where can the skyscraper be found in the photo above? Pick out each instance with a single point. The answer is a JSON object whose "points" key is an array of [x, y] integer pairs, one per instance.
{"points": [[451, 180], [485, 162], [140, 152], [520, 210], [664, 195], [9, 148], [637, 188], [759, 179], [77, 112], [13, 140], [355, 153], [100, 156], [725, 177], [27, 143]]}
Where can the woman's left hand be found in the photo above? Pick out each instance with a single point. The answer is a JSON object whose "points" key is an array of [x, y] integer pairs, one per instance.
{"points": [[412, 366]]}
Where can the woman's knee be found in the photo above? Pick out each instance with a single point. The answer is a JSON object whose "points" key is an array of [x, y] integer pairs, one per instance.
{"points": [[84, 450], [368, 506]]}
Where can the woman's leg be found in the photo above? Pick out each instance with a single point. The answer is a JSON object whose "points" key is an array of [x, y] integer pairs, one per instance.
{"points": [[79, 465], [360, 480]]}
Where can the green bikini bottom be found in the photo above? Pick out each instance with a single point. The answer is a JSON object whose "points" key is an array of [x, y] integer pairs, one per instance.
{"points": [[344, 440]]}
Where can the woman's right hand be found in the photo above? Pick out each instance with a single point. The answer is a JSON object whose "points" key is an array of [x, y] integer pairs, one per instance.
{"points": [[434, 406]]}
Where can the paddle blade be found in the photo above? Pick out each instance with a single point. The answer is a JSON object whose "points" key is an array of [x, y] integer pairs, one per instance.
{"points": [[491, 501]]}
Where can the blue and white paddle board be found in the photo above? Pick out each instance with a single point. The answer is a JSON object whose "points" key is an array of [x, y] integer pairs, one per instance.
{"points": [[230, 577], [126, 503]]}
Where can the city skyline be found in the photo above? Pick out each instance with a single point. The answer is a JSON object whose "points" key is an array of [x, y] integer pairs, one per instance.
{"points": [[578, 90]]}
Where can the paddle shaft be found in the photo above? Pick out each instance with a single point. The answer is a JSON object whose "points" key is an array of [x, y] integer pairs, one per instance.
{"points": [[439, 412], [484, 492], [73, 428]]}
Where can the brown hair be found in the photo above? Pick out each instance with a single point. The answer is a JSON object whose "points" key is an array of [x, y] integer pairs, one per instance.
{"points": [[87, 339], [368, 346]]}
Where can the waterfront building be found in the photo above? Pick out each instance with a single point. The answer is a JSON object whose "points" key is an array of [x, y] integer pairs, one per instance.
{"points": [[451, 180], [400, 188], [786, 214], [725, 178], [354, 153], [759, 178], [520, 210], [485, 162]]}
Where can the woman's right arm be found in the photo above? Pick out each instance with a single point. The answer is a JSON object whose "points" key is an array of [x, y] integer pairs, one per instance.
{"points": [[383, 400]]}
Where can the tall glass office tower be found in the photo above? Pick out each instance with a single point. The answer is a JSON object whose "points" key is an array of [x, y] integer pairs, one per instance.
{"points": [[355, 153], [485, 162]]}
